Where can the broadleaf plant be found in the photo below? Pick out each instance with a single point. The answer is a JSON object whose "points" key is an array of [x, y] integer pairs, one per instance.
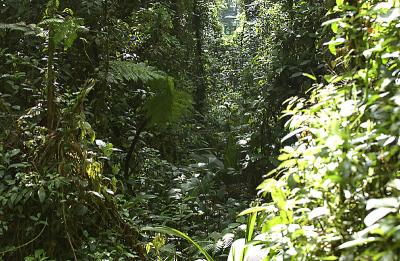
{"points": [[335, 183]]}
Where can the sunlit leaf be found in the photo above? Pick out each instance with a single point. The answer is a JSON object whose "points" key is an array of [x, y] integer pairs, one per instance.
{"points": [[318, 212], [339, 2], [357, 242], [293, 133], [41, 194], [312, 77], [251, 222], [383, 202], [377, 215], [256, 209]]}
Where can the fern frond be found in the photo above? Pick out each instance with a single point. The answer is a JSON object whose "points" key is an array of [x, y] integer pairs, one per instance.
{"points": [[223, 243], [129, 71], [219, 245], [51, 21], [167, 104], [23, 27], [227, 240]]}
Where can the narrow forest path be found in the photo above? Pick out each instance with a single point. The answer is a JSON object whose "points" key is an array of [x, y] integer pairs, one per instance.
{"points": [[174, 129]]}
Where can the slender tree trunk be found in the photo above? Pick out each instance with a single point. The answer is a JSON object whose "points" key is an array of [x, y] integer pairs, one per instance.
{"points": [[106, 48], [102, 90], [103, 58], [200, 94], [132, 147], [50, 88]]}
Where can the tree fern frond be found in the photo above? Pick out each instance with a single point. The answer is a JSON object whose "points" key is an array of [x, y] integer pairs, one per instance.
{"points": [[129, 71], [168, 104], [23, 27]]}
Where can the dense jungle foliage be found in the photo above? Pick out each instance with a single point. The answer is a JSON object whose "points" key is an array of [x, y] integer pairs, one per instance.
{"points": [[199, 130]]}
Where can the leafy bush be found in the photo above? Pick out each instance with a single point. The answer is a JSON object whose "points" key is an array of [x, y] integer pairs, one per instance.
{"points": [[336, 192]]}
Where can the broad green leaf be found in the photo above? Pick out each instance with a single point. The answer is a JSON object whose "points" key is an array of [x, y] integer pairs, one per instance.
{"points": [[279, 198], [333, 142], [41, 194], [391, 202], [267, 185], [318, 212], [297, 74], [357, 242], [377, 215], [335, 27], [395, 184], [272, 222], [14, 152], [391, 15], [333, 43], [97, 194], [312, 77], [18, 165], [288, 163], [256, 209], [328, 258], [293, 133], [332, 21], [339, 2], [251, 222]]}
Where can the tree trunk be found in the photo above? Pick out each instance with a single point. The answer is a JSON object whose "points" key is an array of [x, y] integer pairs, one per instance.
{"points": [[200, 93], [50, 88], [132, 147]]}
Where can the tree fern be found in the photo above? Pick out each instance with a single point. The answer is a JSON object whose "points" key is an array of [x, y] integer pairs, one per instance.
{"points": [[167, 104]]}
